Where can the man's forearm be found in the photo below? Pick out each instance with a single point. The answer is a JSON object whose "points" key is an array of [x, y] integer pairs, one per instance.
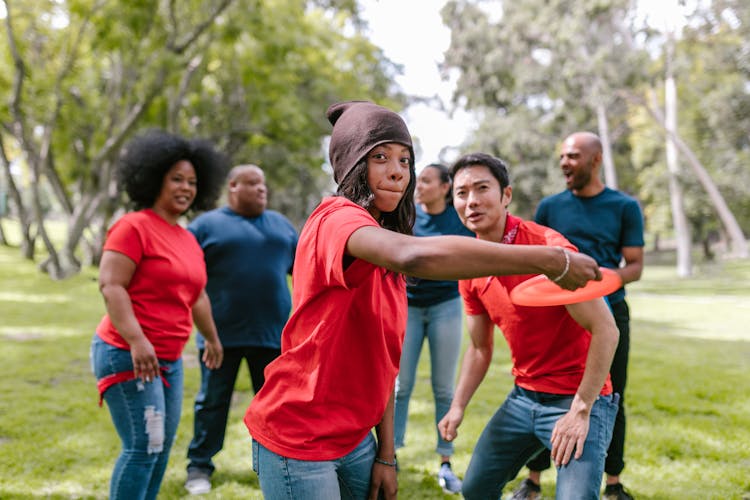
{"points": [[474, 367], [598, 362], [385, 432]]}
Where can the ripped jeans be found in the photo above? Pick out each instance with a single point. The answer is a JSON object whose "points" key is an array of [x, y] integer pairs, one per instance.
{"points": [[145, 415]]}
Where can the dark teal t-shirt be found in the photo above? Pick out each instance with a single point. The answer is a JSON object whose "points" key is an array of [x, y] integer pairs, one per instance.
{"points": [[600, 226], [247, 262]]}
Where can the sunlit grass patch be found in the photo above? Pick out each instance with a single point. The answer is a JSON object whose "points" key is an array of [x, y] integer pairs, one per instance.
{"points": [[24, 298]]}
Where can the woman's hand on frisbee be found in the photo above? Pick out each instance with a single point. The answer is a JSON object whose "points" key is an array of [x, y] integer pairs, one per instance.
{"points": [[580, 270]]}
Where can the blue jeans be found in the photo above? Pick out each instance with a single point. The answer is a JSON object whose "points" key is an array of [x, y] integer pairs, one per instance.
{"points": [[145, 415], [521, 428], [284, 478], [441, 324], [214, 399], [615, 461]]}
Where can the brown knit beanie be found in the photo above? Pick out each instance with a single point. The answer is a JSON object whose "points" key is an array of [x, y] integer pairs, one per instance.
{"points": [[359, 126]]}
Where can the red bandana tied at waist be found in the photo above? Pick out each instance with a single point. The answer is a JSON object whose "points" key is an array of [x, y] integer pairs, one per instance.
{"points": [[105, 383]]}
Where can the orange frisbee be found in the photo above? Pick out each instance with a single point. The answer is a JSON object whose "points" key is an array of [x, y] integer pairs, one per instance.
{"points": [[542, 291]]}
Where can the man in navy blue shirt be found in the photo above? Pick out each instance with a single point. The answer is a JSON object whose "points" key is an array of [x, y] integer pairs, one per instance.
{"points": [[608, 226], [249, 251]]}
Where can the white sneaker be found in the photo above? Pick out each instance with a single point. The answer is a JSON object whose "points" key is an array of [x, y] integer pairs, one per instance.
{"points": [[448, 480], [198, 482]]}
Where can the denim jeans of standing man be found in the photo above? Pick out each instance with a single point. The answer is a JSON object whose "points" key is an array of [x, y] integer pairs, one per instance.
{"points": [[442, 325], [145, 414], [346, 478], [521, 428]]}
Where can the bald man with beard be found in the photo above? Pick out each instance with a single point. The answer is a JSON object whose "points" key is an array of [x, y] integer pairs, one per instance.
{"points": [[607, 225]]}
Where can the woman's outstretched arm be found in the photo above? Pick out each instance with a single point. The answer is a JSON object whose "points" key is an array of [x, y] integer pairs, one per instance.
{"points": [[462, 257]]}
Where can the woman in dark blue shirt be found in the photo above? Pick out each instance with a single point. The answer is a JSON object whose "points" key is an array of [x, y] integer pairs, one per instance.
{"points": [[434, 314]]}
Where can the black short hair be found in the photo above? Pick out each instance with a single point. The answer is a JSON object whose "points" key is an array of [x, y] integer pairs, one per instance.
{"points": [[355, 188], [148, 157], [496, 166], [445, 178]]}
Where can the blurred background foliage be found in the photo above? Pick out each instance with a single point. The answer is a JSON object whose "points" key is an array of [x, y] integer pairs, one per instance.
{"points": [[255, 76]]}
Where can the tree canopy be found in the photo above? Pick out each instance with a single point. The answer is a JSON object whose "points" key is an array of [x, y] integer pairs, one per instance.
{"points": [[254, 76], [537, 70]]}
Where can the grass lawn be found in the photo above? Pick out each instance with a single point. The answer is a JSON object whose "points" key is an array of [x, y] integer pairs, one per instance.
{"points": [[688, 395]]}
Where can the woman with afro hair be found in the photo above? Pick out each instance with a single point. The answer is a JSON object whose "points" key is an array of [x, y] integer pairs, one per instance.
{"points": [[152, 277]]}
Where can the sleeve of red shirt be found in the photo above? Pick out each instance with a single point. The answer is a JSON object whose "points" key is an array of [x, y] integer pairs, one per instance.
{"points": [[334, 230], [124, 237], [472, 304]]}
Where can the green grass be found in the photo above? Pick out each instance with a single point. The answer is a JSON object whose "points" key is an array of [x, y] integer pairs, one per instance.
{"points": [[688, 395]]}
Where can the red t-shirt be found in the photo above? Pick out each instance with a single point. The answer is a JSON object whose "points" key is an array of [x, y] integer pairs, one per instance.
{"points": [[548, 347], [340, 348], [169, 275]]}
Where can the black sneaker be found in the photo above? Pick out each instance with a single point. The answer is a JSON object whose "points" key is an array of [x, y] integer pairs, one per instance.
{"points": [[527, 490], [616, 492]]}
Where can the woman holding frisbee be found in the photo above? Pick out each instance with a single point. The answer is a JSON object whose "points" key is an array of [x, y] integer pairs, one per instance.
{"points": [[312, 421]]}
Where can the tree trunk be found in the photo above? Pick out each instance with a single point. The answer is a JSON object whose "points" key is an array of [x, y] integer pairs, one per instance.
{"points": [[52, 264], [737, 242], [56, 184], [610, 174], [738, 246], [83, 214], [679, 220], [24, 220]]}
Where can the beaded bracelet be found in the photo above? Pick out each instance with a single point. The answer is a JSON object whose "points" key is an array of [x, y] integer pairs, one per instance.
{"points": [[567, 265], [386, 462]]}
